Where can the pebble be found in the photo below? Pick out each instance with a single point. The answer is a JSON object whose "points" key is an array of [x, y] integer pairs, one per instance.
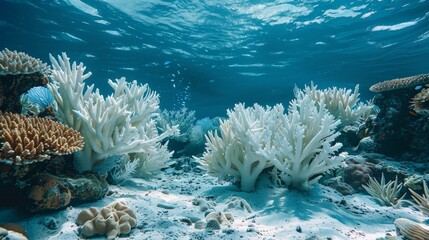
{"points": [[166, 206], [228, 230]]}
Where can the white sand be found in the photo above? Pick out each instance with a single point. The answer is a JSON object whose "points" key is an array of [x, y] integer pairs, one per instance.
{"points": [[277, 212]]}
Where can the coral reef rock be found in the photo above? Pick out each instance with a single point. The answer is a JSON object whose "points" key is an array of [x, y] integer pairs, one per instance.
{"points": [[49, 192], [398, 132], [111, 221]]}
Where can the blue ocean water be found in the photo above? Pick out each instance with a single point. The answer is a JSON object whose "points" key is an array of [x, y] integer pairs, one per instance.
{"points": [[208, 55]]}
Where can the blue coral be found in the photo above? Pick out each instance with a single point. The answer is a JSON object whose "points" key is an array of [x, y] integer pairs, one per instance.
{"points": [[40, 96]]}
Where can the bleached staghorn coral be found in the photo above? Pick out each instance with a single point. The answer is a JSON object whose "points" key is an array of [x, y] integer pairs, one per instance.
{"points": [[302, 146], [122, 123], [237, 150], [299, 145], [340, 102]]}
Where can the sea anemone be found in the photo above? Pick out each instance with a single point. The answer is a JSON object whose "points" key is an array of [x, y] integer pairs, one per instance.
{"points": [[420, 102]]}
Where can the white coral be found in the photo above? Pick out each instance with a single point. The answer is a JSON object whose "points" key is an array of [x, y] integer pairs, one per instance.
{"points": [[121, 123], [237, 151], [303, 146], [298, 144], [340, 102]]}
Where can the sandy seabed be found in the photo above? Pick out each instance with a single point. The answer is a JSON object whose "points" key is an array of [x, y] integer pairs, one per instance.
{"points": [[166, 204]]}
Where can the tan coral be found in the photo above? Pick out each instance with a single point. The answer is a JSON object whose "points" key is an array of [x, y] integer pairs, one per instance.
{"points": [[14, 62], [411, 230], [111, 221], [23, 139], [399, 83]]}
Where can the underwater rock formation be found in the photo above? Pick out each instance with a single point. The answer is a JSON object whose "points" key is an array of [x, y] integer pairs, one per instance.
{"points": [[49, 192], [356, 174], [18, 73], [397, 132]]}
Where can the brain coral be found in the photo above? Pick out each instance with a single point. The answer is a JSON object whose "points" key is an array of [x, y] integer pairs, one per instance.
{"points": [[111, 221], [24, 140]]}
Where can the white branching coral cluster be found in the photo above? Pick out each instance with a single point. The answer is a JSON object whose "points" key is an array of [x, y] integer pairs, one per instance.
{"points": [[183, 118], [121, 123], [237, 151], [13, 62], [304, 147], [340, 102], [298, 144]]}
